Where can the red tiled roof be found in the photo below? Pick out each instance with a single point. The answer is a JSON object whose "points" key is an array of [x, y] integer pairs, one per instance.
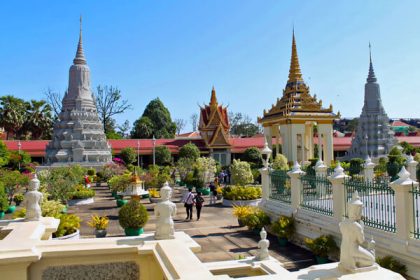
{"points": [[399, 123], [36, 148]]}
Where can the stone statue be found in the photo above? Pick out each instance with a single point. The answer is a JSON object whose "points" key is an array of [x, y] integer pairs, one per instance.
{"points": [[263, 245], [164, 211], [353, 256], [32, 201]]}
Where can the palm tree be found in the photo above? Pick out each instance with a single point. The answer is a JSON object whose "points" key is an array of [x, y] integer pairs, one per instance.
{"points": [[39, 119], [12, 114]]}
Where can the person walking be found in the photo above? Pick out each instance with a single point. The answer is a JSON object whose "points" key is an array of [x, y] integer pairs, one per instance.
{"points": [[188, 204], [199, 201], [213, 193]]}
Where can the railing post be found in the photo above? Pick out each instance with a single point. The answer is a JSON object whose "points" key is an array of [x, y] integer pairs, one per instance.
{"points": [[321, 168], [412, 168], [368, 170], [296, 185], [265, 182], [339, 193], [404, 216]]}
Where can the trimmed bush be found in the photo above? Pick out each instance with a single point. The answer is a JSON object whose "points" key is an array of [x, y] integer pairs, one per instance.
{"points": [[189, 151], [390, 263], [242, 192], [133, 215], [241, 172], [81, 193], [69, 224]]}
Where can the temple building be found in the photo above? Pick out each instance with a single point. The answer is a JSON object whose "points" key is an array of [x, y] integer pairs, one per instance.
{"points": [[214, 130], [374, 137], [78, 134], [292, 118]]}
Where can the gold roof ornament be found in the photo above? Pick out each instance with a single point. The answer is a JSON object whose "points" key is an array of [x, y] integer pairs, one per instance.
{"points": [[213, 98], [296, 102]]}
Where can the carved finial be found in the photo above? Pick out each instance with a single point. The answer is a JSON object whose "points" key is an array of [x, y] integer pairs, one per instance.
{"points": [[294, 72], [371, 76], [403, 174], [80, 57]]}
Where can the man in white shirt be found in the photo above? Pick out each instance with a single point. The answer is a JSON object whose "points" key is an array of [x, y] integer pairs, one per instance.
{"points": [[188, 203]]}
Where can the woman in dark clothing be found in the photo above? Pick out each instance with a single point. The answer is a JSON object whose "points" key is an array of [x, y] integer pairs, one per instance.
{"points": [[199, 201]]}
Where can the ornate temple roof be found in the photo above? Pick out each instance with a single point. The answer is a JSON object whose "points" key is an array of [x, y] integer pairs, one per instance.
{"points": [[297, 102], [214, 123]]}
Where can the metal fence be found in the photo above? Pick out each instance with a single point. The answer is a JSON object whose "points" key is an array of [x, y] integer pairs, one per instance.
{"points": [[378, 200], [280, 187], [316, 194], [415, 191]]}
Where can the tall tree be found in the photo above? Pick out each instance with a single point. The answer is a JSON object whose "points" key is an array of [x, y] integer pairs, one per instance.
{"points": [[12, 114], [156, 120], [39, 120], [124, 129], [109, 103], [54, 99], [241, 124], [194, 120], [180, 125]]}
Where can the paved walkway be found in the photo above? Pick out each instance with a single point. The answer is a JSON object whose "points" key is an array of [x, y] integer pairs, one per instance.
{"points": [[217, 231]]}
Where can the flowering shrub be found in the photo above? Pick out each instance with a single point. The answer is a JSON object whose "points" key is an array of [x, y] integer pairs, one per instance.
{"points": [[241, 172], [118, 161], [242, 192]]}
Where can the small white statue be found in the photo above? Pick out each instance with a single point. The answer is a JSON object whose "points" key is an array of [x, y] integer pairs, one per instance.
{"points": [[32, 201], [164, 211], [353, 255], [263, 245]]}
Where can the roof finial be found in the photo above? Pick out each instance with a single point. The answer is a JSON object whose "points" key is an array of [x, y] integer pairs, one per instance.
{"points": [[294, 72], [213, 99], [371, 76], [80, 57]]}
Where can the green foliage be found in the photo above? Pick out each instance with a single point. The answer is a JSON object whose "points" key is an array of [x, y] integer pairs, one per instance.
{"points": [[189, 151], [133, 215], [51, 208], [120, 183], [12, 182], [321, 246], [257, 220], [110, 170], [4, 154], [205, 169], [113, 135], [163, 155], [395, 155], [241, 172], [185, 166], [284, 227], [156, 120], [241, 124], [390, 263], [242, 192], [252, 155], [128, 155], [4, 202], [69, 224], [280, 163], [356, 166], [16, 157], [18, 198], [407, 148], [81, 192], [12, 114]]}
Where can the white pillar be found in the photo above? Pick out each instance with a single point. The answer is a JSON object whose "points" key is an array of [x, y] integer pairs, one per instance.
{"points": [[321, 168], [404, 204], [339, 192], [412, 168], [265, 182], [326, 130], [369, 170], [296, 185]]}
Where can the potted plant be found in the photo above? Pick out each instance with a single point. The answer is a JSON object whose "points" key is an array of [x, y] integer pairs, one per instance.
{"points": [[119, 183], [68, 227], [18, 198], [219, 192], [81, 196], [121, 201], [321, 247], [241, 212], [257, 220], [132, 217], [99, 223], [154, 195], [284, 229]]}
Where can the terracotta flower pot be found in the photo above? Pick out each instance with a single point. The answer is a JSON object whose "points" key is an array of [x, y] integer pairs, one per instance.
{"points": [[133, 231]]}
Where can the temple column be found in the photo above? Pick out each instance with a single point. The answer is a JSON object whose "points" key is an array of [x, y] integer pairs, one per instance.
{"points": [[277, 133], [286, 137], [328, 149]]}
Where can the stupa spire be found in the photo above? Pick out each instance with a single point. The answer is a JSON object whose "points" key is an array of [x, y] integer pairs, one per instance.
{"points": [[371, 76], [80, 57], [294, 72], [213, 98]]}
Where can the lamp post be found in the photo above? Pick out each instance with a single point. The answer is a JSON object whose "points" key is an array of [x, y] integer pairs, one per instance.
{"points": [[265, 153], [19, 147], [138, 153], [366, 141], [154, 145]]}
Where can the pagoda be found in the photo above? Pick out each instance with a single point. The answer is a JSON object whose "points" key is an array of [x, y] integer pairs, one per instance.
{"points": [[374, 137], [78, 134], [293, 117], [214, 130]]}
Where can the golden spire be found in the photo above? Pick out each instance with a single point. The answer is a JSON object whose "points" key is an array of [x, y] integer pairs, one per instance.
{"points": [[294, 72], [213, 99]]}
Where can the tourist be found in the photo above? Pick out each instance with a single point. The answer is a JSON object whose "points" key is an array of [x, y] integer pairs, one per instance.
{"points": [[221, 177], [87, 181], [213, 193], [188, 204], [199, 201]]}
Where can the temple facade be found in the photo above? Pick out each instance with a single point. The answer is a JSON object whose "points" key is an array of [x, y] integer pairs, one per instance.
{"points": [[214, 130], [293, 118], [374, 136], [78, 134]]}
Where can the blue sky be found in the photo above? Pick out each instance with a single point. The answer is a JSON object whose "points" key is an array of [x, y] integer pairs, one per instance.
{"points": [[176, 50]]}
